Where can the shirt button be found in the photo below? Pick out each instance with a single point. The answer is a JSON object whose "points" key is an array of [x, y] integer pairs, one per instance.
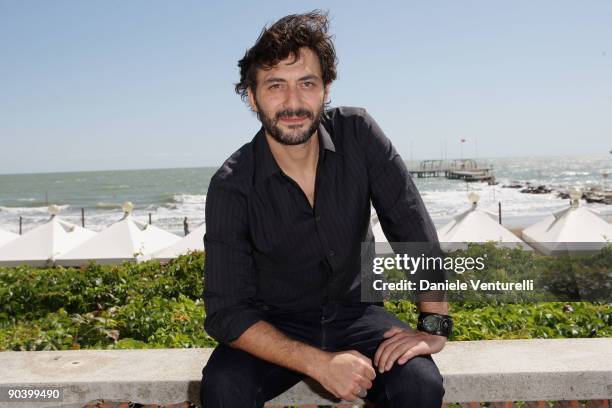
{"points": [[331, 252], [318, 218]]}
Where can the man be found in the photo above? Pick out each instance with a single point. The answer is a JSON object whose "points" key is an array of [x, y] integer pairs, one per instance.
{"points": [[286, 215]]}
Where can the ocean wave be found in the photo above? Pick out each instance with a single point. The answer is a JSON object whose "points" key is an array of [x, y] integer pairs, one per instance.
{"points": [[114, 187], [107, 206], [31, 209], [575, 173], [190, 198], [33, 203]]}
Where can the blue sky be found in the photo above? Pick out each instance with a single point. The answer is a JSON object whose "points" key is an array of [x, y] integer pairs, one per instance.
{"points": [[93, 85]]}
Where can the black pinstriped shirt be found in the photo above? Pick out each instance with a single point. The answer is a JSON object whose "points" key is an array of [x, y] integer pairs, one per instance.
{"points": [[267, 248]]}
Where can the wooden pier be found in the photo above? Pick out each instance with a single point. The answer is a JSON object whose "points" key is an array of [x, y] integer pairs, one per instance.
{"points": [[460, 169]]}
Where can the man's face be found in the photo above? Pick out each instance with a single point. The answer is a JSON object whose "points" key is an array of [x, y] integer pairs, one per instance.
{"points": [[289, 98]]}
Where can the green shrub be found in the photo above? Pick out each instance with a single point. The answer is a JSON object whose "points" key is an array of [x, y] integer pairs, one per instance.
{"points": [[151, 305]]}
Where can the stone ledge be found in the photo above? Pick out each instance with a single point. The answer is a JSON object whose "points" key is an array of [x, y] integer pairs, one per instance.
{"points": [[492, 370]]}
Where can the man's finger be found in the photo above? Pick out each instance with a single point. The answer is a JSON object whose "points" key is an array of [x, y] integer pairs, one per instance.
{"points": [[368, 368], [384, 346], [407, 356], [364, 382], [384, 357], [392, 331], [369, 372], [352, 395], [397, 353]]}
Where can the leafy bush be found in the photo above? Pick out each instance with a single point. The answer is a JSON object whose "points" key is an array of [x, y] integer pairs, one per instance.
{"points": [[29, 293], [126, 306], [151, 305], [487, 321]]}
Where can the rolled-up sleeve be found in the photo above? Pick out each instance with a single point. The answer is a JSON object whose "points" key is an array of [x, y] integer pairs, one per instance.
{"points": [[230, 278]]}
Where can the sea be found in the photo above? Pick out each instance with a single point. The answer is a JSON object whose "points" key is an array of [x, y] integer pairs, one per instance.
{"points": [[167, 196]]}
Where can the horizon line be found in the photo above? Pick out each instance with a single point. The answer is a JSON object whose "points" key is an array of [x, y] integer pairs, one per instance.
{"points": [[219, 165]]}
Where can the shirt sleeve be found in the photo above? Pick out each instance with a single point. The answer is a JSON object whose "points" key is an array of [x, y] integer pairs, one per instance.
{"points": [[401, 211], [400, 208], [230, 278]]}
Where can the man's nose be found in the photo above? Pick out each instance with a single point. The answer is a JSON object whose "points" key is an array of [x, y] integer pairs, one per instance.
{"points": [[293, 97]]}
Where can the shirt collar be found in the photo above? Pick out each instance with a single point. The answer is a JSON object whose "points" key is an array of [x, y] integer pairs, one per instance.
{"points": [[325, 139], [265, 164]]}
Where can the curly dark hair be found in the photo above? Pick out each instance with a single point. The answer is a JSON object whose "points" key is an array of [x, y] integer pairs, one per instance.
{"points": [[285, 38]]}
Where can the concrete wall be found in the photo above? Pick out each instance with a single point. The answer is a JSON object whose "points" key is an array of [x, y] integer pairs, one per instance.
{"points": [[493, 370]]}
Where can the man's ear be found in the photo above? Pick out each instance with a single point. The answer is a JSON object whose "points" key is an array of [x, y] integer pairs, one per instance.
{"points": [[326, 95], [251, 96]]}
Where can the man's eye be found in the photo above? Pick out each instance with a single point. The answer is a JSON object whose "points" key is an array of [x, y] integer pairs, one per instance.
{"points": [[274, 86], [308, 84]]}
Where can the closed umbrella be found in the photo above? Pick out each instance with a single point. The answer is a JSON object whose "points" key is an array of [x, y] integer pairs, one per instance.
{"points": [[126, 240], [42, 245], [476, 225], [572, 231], [194, 241]]}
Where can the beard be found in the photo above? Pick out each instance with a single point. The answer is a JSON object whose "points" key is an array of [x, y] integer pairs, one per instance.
{"points": [[296, 136]]}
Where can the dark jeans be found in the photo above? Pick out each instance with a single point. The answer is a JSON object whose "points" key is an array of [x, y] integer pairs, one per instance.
{"points": [[234, 378]]}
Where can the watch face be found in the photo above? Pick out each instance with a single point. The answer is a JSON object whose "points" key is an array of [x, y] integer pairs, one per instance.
{"points": [[445, 325], [430, 323]]}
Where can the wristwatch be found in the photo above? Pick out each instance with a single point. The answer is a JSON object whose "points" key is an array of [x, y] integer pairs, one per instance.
{"points": [[434, 323]]}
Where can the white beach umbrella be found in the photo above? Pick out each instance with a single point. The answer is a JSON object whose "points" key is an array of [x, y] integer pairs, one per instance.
{"points": [[126, 240], [6, 237], [476, 225], [574, 230], [194, 241], [43, 244]]}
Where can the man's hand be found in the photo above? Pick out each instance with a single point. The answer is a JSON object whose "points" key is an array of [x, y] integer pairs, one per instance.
{"points": [[346, 374], [401, 345]]}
